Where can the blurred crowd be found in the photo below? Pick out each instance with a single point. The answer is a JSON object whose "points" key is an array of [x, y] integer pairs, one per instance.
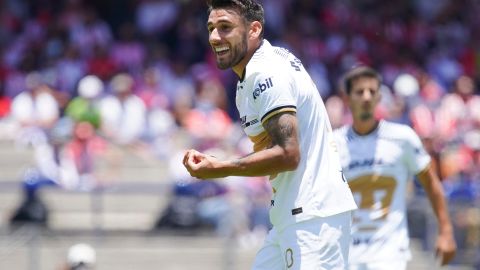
{"points": [[79, 76]]}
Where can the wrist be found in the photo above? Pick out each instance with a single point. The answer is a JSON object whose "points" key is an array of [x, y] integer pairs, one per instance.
{"points": [[446, 230], [224, 168]]}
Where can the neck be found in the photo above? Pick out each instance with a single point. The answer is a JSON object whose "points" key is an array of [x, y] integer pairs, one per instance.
{"points": [[239, 69], [364, 127]]}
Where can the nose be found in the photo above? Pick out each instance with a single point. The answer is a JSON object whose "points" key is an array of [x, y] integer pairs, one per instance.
{"points": [[366, 95], [214, 36]]}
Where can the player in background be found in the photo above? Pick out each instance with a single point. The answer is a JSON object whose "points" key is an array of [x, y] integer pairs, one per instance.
{"points": [[282, 113], [378, 159]]}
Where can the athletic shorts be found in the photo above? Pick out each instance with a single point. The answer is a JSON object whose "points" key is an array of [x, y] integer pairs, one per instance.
{"points": [[390, 265], [318, 243]]}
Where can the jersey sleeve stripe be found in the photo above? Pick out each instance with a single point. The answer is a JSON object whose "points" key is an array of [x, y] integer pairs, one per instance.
{"points": [[278, 110]]}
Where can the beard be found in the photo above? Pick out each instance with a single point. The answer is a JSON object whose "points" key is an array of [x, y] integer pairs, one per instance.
{"points": [[237, 53]]}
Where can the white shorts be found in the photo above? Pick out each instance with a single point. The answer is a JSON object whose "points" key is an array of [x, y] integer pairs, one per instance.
{"points": [[390, 265], [319, 243]]}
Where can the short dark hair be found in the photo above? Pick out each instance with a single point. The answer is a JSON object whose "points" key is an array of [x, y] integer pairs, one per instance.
{"points": [[359, 72], [250, 10]]}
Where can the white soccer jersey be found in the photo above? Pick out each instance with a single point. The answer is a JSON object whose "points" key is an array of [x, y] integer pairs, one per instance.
{"points": [[377, 167], [275, 81]]}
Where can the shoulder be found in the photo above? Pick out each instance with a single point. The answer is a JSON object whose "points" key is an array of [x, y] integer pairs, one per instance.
{"points": [[341, 132], [261, 70], [267, 61], [396, 131]]}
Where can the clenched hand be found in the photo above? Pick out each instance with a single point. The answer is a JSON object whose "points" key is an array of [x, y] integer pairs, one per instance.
{"points": [[202, 166]]}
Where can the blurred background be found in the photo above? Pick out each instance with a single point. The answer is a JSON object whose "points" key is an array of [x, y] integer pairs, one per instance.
{"points": [[99, 100]]}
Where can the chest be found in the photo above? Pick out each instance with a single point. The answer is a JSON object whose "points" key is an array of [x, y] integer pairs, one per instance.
{"points": [[373, 155]]}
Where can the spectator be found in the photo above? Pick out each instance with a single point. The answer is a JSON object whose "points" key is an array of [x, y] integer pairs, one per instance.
{"points": [[85, 107], [35, 111], [78, 158], [160, 124], [206, 121], [123, 114]]}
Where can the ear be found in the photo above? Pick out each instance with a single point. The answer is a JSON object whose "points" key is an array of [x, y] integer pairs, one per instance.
{"points": [[255, 29]]}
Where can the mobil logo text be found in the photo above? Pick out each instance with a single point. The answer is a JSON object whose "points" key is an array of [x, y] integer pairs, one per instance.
{"points": [[262, 86]]}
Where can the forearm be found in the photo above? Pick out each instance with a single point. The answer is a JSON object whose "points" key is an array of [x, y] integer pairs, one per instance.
{"points": [[266, 162], [283, 155], [436, 196]]}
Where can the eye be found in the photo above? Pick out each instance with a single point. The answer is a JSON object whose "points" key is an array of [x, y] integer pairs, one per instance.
{"points": [[224, 27]]}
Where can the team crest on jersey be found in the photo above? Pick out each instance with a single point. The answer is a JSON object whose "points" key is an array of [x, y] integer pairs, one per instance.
{"points": [[262, 87]]}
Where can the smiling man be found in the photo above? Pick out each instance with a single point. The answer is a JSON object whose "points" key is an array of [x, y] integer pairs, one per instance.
{"points": [[283, 114]]}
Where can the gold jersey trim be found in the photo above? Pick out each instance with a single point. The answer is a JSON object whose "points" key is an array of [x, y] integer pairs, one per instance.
{"points": [[276, 111]]}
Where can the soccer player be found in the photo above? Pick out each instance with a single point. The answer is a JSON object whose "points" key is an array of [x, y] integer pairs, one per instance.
{"points": [[282, 113], [378, 159]]}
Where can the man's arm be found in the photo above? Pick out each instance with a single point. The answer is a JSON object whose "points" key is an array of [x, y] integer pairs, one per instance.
{"points": [[445, 246], [282, 155]]}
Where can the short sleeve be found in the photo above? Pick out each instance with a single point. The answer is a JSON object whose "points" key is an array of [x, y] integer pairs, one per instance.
{"points": [[272, 93], [416, 157]]}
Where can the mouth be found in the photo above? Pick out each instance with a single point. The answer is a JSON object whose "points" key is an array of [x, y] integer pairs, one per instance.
{"points": [[366, 106], [221, 50]]}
